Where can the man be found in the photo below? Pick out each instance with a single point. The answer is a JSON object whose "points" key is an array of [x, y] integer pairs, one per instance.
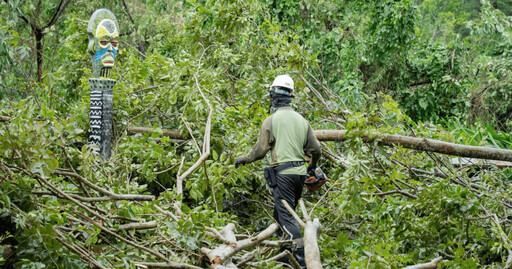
{"points": [[290, 138]]}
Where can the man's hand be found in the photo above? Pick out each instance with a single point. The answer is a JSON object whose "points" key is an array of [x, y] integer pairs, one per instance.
{"points": [[239, 161], [311, 169]]}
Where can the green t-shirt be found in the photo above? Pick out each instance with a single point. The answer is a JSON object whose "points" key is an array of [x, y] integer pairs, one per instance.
{"points": [[289, 137]]}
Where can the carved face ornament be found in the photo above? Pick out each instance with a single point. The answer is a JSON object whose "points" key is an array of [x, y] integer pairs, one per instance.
{"points": [[106, 43], [103, 32]]}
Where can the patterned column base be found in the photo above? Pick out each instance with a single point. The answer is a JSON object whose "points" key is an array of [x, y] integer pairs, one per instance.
{"points": [[102, 95]]}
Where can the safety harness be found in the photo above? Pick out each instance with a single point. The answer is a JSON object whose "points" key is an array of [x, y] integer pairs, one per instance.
{"points": [[313, 183], [270, 172], [287, 165]]}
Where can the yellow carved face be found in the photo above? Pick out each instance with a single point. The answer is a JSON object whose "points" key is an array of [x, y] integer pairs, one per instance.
{"points": [[103, 32], [107, 28], [106, 36]]}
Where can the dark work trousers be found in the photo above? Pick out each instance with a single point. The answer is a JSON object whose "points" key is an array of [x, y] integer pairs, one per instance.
{"points": [[289, 188]]}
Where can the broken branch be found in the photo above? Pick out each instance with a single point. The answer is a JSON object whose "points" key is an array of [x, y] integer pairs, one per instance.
{"points": [[172, 265], [429, 265], [113, 196], [297, 218], [224, 252], [138, 226]]}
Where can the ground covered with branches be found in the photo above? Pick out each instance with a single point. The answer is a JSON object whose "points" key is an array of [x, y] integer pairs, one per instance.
{"points": [[432, 69]]}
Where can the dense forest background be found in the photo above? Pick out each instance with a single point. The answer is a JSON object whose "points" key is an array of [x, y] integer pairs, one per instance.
{"points": [[435, 68]]}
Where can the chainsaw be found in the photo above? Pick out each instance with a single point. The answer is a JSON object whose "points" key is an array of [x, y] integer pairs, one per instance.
{"points": [[316, 179]]}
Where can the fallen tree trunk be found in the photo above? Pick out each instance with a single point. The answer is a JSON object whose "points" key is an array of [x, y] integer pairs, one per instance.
{"points": [[424, 144], [416, 143]]}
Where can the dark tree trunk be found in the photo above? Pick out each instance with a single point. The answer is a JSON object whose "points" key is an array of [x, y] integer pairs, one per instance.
{"points": [[39, 54]]}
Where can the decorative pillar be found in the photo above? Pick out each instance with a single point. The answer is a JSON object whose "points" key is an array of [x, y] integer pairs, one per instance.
{"points": [[103, 31]]}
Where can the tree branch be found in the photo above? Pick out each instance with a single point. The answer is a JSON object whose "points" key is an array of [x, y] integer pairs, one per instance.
{"points": [[113, 196], [60, 8], [292, 212], [108, 231], [86, 258], [128, 12], [224, 252], [59, 191], [141, 130], [392, 192], [206, 144], [429, 265], [138, 226], [312, 230], [290, 256], [168, 213], [171, 265]]}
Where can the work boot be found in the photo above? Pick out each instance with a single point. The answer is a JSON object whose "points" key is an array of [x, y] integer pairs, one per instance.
{"points": [[299, 256]]}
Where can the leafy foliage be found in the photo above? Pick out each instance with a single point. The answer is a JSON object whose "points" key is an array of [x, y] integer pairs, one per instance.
{"points": [[374, 66]]}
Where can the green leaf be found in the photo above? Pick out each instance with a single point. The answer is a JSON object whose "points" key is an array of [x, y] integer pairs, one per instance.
{"points": [[423, 104], [7, 200]]}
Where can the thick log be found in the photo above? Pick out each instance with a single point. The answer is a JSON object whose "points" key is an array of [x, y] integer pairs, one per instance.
{"points": [[312, 253], [424, 144]]}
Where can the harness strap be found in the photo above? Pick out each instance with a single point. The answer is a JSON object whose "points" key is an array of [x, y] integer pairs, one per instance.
{"points": [[287, 165]]}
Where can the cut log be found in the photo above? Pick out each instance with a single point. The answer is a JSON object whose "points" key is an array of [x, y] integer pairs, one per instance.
{"points": [[424, 144], [312, 253]]}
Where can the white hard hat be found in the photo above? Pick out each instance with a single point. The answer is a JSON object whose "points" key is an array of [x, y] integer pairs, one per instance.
{"points": [[284, 81]]}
